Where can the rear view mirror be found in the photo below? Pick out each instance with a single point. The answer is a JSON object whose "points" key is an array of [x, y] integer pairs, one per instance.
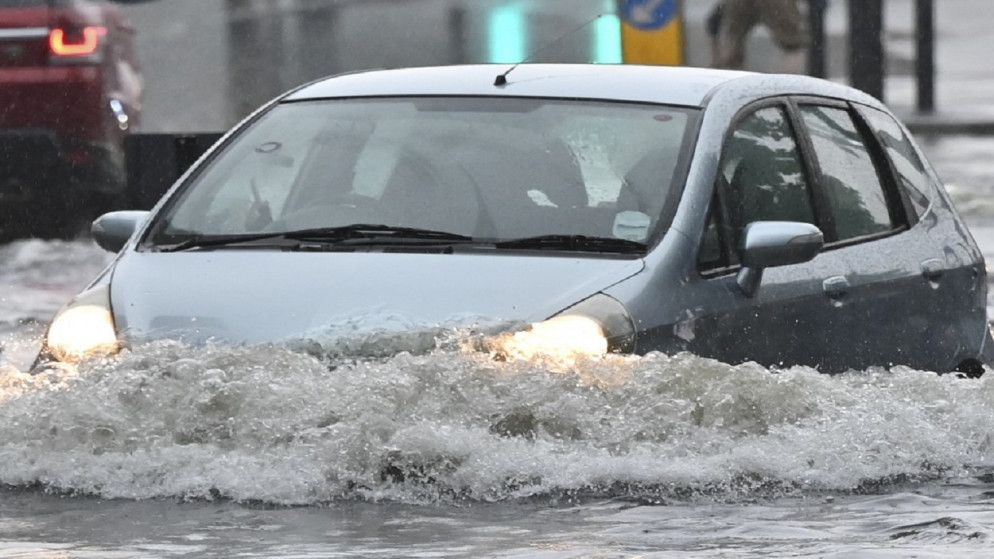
{"points": [[111, 231], [766, 244]]}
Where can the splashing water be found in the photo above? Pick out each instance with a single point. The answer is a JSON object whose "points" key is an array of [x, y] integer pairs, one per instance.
{"points": [[267, 424]]}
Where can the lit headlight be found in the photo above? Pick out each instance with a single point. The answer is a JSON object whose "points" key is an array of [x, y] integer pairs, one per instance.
{"points": [[593, 327], [559, 337], [84, 327]]}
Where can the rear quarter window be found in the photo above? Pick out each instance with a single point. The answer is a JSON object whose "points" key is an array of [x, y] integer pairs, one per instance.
{"points": [[903, 156]]}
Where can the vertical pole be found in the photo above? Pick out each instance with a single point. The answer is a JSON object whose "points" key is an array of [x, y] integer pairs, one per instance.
{"points": [[925, 56], [316, 48], [457, 35], [255, 54], [816, 52], [866, 52]]}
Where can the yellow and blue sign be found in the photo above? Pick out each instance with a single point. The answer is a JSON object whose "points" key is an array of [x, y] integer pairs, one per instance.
{"points": [[651, 32]]}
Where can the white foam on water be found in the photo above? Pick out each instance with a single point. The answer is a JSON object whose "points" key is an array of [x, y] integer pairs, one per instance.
{"points": [[273, 425], [287, 426]]}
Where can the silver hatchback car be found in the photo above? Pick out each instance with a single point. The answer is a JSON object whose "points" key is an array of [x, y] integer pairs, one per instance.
{"points": [[744, 217]]}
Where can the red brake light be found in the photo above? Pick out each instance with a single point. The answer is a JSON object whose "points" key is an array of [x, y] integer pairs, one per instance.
{"points": [[82, 43]]}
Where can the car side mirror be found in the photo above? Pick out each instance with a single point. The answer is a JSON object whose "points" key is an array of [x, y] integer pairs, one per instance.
{"points": [[766, 244], [111, 231]]}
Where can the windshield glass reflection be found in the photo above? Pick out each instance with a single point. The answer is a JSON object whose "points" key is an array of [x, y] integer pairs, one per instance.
{"points": [[495, 169]]}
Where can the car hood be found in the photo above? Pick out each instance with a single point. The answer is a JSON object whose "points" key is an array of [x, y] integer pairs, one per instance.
{"points": [[256, 296]]}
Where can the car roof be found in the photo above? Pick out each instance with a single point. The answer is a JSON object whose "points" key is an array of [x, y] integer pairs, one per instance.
{"points": [[671, 85]]}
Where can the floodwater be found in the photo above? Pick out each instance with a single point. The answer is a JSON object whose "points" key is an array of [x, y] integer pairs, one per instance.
{"points": [[169, 451]]}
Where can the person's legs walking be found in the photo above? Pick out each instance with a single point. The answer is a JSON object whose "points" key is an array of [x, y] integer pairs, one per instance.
{"points": [[737, 18], [789, 31]]}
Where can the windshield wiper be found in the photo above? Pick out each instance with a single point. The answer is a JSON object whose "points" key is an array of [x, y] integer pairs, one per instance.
{"points": [[208, 241], [578, 243], [365, 231], [361, 232]]}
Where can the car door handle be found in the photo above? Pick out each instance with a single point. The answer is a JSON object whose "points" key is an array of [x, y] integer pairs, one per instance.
{"points": [[836, 287], [932, 269]]}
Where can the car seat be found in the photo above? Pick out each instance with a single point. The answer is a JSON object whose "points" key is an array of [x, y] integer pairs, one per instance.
{"points": [[531, 190], [429, 195], [762, 192]]}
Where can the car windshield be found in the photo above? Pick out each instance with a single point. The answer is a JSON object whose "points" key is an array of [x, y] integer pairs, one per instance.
{"points": [[497, 169]]}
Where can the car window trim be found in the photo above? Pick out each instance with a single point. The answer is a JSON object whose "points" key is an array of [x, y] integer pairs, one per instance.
{"points": [[713, 213], [678, 182], [824, 215]]}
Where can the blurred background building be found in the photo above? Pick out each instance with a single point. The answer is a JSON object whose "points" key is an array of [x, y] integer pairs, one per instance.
{"points": [[208, 63]]}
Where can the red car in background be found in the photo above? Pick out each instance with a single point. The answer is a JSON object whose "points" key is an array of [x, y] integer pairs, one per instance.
{"points": [[70, 92]]}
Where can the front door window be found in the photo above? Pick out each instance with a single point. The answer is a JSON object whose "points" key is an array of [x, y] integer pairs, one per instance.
{"points": [[761, 179]]}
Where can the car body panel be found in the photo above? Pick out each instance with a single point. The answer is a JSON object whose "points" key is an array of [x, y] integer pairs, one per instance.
{"points": [[888, 315], [282, 295], [909, 318], [915, 295], [679, 86]]}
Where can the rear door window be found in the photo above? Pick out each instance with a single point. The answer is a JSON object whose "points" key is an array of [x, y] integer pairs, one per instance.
{"points": [[855, 194]]}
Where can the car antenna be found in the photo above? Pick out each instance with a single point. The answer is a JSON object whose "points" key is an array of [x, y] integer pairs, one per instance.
{"points": [[501, 78]]}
